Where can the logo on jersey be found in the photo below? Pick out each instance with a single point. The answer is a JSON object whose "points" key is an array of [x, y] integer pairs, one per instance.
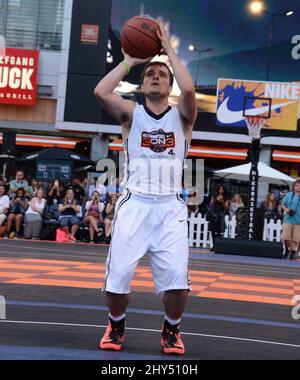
{"points": [[158, 141]]}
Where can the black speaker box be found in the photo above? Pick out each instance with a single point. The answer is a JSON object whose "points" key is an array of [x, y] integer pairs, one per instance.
{"points": [[9, 142], [87, 62], [242, 220], [224, 246]]}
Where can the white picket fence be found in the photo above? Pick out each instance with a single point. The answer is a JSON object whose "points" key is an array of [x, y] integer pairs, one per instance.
{"points": [[200, 236]]}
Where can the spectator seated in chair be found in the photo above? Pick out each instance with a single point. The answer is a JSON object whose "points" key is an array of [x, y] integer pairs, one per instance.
{"points": [[18, 207], [33, 187], [19, 182], [110, 212], [4, 205], [100, 188], [34, 216], [79, 193], [69, 209], [54, 197], [93, 217], [235, 204]]}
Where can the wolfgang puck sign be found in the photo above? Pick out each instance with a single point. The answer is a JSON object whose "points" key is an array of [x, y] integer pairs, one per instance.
{"points": [[18, 76]]}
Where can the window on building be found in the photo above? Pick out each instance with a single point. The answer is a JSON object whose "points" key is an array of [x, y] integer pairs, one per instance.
{"points": [[2, 17], [32, 23], [50, 24], [20, 23]]}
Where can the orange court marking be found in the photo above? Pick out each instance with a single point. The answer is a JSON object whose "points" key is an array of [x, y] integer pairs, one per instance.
{"points": [[16, 274], [150, 284], [230, 296], [77, 274], [205, 284], [262, 280], [204, 273], [89, 266], [197, 288], [279, 301], [264, 289], [43, 261], [263, 297], [203, 280], [35, 267], [56, 282], [245, 297]]}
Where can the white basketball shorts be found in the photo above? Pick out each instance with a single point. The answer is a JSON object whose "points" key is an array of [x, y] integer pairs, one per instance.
{"points": [[157, 225]]}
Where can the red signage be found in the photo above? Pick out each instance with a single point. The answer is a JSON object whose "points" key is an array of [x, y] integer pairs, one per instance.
{"points": [[18, 76]]}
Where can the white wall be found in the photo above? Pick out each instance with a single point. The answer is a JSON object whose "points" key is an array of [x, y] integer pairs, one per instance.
{"points": [[49, 70]]}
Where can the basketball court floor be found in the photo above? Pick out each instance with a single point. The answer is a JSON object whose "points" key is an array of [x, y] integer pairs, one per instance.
{"points": [[240, 308]]}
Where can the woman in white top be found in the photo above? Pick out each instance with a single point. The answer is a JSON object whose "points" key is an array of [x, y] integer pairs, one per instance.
{"points": [[33, 216], [4, 205]]}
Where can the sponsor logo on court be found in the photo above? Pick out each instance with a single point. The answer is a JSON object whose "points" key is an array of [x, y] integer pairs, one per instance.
{"points": [[158, 141], [296, 308], [2, 308], [296, 48]]}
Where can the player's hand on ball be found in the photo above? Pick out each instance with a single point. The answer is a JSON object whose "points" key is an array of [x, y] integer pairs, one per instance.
{"points": [[164, 37], [134, 61]]}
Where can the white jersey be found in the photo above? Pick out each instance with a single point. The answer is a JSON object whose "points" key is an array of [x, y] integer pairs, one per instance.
{"points": [[155, 151]]}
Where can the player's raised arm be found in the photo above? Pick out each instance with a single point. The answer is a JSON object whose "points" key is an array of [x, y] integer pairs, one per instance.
{"points": [[187, 106], [121, 109]]}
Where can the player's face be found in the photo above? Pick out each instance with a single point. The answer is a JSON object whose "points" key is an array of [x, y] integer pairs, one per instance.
{"points": [[156, 81]]}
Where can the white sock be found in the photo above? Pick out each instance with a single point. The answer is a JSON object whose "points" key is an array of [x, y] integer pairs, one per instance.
{"points": [[173, 321], [117, 319]]}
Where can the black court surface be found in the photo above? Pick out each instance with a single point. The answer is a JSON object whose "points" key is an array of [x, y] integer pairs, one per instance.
{"points": [[240, 308]]}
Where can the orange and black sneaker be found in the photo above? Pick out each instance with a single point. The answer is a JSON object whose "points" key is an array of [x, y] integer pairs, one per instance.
{"points": [[114, 335], [170, 340]]}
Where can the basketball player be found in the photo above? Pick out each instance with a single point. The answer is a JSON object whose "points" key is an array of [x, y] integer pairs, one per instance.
{"points": [[150, 216]]}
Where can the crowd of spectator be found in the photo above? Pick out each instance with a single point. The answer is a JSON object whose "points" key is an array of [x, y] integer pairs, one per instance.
{"points": [[219, 201], [218, 204], [27, 206], [82, 210]]}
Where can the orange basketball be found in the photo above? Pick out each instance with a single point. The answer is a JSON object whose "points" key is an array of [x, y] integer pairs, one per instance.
{"points": [[139, 38]]}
